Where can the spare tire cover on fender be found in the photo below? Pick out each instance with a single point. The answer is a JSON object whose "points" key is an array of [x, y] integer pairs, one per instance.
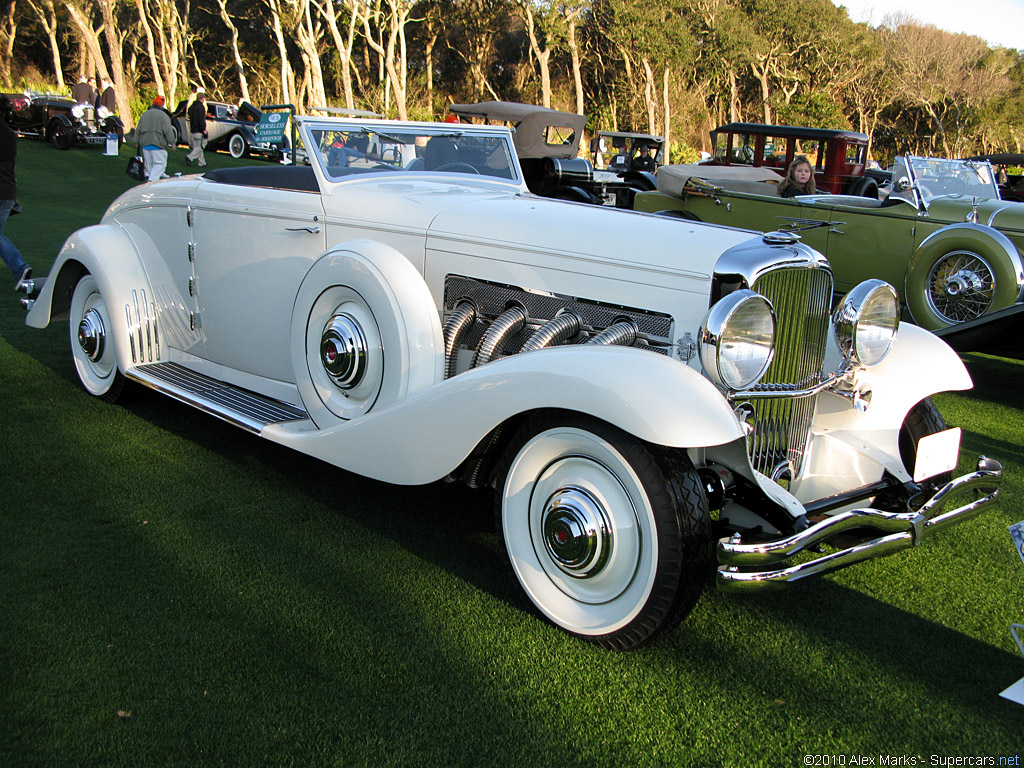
{"points": [[994, 249], [383, 301]]}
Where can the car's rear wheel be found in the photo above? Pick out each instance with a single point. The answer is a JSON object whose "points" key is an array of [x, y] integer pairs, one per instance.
{"points": [[608, 540], [61, 136], [237, 146], [92, 342]]}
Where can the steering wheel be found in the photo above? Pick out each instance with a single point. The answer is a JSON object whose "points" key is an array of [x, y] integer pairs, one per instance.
{"points": [[458, 168]]}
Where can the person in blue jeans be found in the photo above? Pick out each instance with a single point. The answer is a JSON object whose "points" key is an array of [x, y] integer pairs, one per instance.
{"points": [[8, 197]]}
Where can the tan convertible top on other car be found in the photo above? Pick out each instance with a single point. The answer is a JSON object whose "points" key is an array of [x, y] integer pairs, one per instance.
{"points": [[672, 178]]}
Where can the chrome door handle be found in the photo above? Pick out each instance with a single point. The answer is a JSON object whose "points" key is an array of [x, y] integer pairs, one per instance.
{"points": [[312, 229], [835, 231]]}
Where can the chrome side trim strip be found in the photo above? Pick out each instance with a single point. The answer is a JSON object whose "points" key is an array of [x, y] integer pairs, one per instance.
{"points": [[902, 530]]}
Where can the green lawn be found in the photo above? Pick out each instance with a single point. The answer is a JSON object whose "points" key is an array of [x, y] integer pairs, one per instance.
{"points": [[174, 591]]}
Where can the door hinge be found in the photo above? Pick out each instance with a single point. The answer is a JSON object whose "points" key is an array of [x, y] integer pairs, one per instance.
{"points": [[191, 286], [191, 251], [188, 215]]}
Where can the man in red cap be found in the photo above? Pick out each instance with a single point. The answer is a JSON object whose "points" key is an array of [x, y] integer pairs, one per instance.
{"points": [[154, 134]]}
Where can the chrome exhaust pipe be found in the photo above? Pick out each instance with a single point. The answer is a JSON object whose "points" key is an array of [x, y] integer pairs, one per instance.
{"points": [[559, 328], [623, 333], [460, 320], [510, 321]]}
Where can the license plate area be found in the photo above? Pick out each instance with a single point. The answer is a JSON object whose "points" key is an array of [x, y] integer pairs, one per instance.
{"points": [[937, 453]]}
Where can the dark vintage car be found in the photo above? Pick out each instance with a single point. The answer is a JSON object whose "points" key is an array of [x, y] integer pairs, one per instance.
{"points": [[839, 157], [1011, 185], [59, 120], [231, 129], [548, 143]]}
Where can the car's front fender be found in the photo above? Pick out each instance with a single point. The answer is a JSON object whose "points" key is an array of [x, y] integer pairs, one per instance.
{"points": [[110, 256], [424, 437]]}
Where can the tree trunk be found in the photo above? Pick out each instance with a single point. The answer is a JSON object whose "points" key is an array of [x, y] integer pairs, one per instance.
{"points": [[113, 37], [151, 49], [574, 51], [543, 54], [226, 18], [649, 95], [89, 38], [762, 78], [47, 16], [282, 52], [343, 47], [668, 119], [308, 37], [8, 31]]}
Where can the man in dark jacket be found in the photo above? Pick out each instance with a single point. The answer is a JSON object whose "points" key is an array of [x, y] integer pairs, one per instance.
{"points": [[108, 98], [82, 92], [197, 130], [8, 198]]}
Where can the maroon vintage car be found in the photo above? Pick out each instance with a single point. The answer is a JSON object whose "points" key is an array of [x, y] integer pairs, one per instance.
{"points": [[839, 157]]}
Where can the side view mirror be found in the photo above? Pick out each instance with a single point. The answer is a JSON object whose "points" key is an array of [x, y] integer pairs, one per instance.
{"points": [[903, 184]]}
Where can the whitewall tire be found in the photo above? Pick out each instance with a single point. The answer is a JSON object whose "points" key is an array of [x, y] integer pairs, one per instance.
{"points": [[606, 541], [92, 342]]}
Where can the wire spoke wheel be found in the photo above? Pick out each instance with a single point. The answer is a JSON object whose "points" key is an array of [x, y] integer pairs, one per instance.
{"points": [[961, 286]]}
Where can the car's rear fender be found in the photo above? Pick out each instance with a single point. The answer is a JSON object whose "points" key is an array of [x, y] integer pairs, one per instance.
{"points": [[427, 435], [110, 256]]}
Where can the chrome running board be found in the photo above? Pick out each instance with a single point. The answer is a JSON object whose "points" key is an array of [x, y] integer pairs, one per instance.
{"points": [[903, 530], [234, 405]]}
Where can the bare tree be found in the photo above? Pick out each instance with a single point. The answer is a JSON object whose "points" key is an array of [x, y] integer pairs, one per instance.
{"points": [[343, 44], [287, 74], [233, 31], [47, 15], [8, 31]]}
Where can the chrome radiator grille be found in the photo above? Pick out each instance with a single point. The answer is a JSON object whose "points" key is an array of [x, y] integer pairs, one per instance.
{"points": [[802, 298]]}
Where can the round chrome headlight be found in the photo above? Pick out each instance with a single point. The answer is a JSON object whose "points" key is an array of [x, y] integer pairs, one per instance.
{"points": [[78, 110], [737, 340], [865, 322], [103, 113]]}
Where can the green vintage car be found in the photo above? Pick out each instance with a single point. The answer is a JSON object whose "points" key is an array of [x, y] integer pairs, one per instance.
{"points": [[941, 236]]}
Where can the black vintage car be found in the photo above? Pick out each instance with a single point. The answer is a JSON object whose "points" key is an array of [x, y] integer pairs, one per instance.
{"points": [[59, 120], [548, 143], [231, 129]]}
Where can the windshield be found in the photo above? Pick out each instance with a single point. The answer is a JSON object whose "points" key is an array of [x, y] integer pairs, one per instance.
{"points": [[347, 150], [932, 177]]}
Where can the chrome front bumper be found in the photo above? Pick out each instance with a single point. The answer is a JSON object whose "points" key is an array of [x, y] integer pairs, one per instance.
{"points": [[743, 566]]}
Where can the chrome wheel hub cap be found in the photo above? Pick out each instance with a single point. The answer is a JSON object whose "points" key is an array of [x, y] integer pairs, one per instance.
{"points": [[961, 287], [577, 533], [962, 282], [343, 351], [91, 335]]}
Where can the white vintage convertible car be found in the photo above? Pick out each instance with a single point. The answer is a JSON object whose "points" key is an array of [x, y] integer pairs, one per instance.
{"points": [[633, 387]]}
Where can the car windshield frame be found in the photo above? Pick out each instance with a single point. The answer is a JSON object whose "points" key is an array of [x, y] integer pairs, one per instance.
{"points": [[930, 178], [344, 149]]}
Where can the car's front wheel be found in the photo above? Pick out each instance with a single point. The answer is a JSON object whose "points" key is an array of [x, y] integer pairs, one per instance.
{"points": [[924, 419], [92, 342], [609, 540], [61, 136], [237, 146]]}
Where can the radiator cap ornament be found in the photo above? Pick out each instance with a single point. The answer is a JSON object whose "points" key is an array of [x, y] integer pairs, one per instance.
{"points": [[780, 238]]}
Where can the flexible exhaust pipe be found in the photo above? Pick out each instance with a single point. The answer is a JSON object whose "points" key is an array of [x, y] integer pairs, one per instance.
{"points": [[556, 330], [510, 321], [460, 320], [623, 333]]}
